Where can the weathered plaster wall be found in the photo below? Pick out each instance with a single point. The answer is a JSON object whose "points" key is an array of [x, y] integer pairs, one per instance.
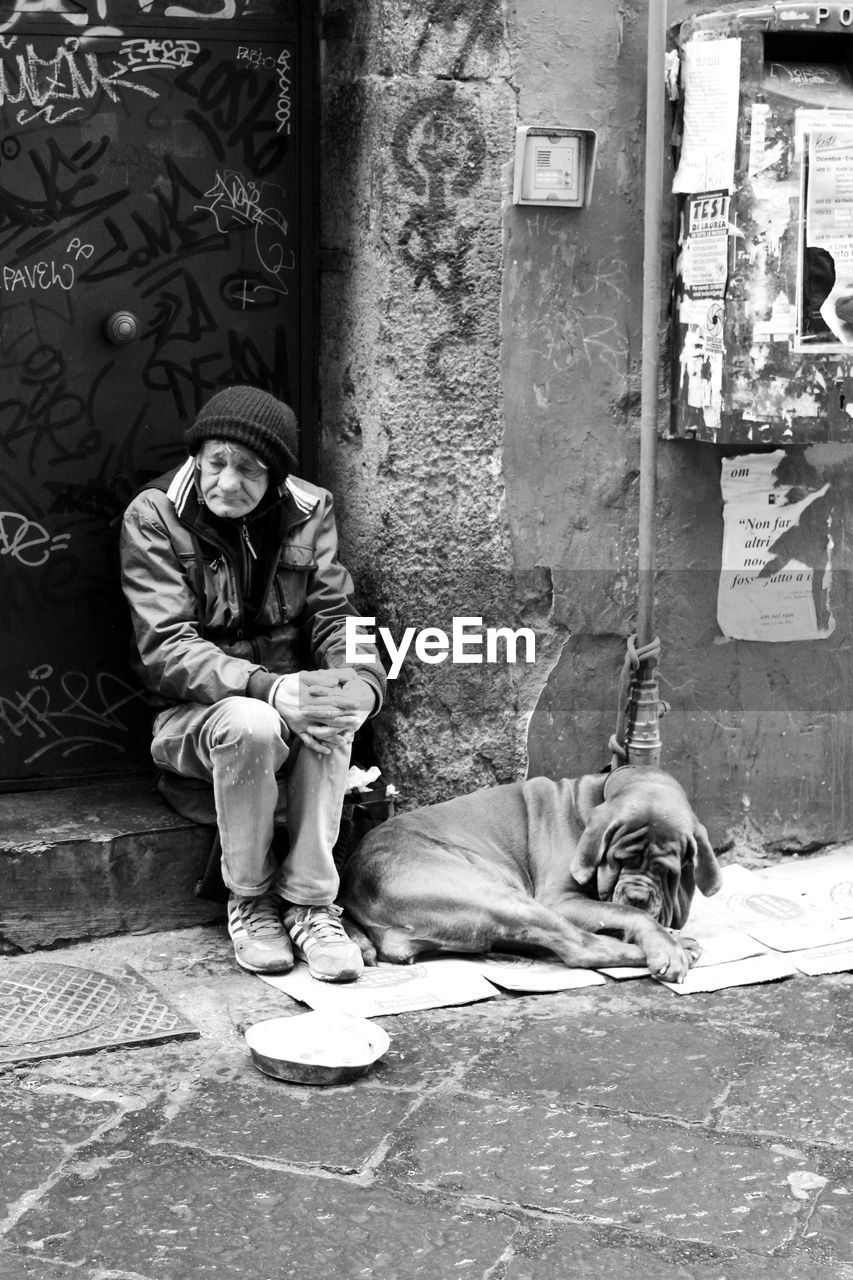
{"points": [[760, 733], [480, 388], [572, 305]]}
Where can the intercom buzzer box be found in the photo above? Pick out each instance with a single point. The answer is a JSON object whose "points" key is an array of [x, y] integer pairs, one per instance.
{"points": [[554, 165]]}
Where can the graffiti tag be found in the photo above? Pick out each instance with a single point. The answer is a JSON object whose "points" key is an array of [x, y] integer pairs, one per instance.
{"points": [[27, 541], [41, 275], [79, 16], [232, 199], [84, 712], [69, 77], [283, 109], [146, 53]]}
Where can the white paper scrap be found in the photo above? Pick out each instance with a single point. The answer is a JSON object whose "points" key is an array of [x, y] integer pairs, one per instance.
{"points": [[527, 973], [389, 988]]}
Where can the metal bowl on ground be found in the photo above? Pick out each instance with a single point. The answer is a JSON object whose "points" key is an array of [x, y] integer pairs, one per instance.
{"points": [[316, 1048]]}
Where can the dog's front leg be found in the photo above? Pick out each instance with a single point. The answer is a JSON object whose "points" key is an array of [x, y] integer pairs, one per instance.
{"points": [[669, 958]]}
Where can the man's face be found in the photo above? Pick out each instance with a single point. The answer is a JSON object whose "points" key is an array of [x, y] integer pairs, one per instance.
{"points": [[232, 479]]}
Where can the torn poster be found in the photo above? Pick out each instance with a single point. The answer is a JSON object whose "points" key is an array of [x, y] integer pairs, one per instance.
{"points": [[777, 552], [711, 76]]}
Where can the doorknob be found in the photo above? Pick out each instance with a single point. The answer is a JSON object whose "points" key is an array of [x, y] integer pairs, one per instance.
{"points": [[121, 327]]}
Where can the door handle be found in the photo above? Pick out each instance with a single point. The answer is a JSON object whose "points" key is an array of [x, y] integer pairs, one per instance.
{"points": [[121, 327]]}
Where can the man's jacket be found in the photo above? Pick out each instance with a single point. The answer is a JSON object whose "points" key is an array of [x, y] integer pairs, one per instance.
{"points": [[184, 581]]}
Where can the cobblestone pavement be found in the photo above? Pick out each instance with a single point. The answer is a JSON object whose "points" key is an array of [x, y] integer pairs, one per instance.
{"points": [[616, 1131]]}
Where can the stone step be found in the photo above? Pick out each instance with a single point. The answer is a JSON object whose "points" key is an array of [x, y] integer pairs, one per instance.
{"points": [[95, 860]]}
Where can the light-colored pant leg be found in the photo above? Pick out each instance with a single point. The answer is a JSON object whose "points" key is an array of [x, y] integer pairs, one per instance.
{"points": [[316, 786], [239, 744]]}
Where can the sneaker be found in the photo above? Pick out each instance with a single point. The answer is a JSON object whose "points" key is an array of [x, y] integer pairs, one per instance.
{"points": [[261, 944], [319, 938]]}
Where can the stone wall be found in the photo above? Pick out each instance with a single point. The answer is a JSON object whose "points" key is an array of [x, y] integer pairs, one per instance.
{"points": [[419, 119]]}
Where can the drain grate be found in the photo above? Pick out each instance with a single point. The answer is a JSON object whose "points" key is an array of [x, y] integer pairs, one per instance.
{"points": [[47, 1002], [48, 1010]]}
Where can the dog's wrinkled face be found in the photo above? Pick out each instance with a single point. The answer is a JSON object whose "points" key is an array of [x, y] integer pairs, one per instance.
{"points": [[645, 847]]}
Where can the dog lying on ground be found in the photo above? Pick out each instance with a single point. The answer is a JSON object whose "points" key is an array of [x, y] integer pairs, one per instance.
{"points": [[597, 870]]}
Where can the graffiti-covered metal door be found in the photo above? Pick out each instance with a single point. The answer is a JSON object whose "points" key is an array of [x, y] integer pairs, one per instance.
{"points": [[155, 194]]}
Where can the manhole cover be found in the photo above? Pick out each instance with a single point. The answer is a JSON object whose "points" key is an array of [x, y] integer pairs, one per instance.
{"points": [[50, 1001]]}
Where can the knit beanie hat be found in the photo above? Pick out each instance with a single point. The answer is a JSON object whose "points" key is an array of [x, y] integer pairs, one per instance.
{"points": [[253, 418]]}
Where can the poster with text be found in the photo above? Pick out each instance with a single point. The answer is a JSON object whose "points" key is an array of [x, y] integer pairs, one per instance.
{"points": [[829, 221], [711, 75], [777, 552]]}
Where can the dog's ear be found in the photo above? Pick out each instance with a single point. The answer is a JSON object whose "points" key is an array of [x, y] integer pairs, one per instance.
{"points": [[709, 877], [592, 845]]}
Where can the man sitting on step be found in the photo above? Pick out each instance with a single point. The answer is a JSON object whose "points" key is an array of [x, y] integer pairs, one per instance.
{"points": [[238, 602]]}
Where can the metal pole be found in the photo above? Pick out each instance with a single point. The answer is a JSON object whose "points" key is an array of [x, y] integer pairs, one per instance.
{"points": [[655, 75], [642, 740]]}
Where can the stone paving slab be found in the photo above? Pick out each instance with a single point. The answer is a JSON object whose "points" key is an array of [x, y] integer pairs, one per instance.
{"points": [[801, 1091], [37, 1132], [243, 1113], [170, 1215], [662, 1067], [680, 1182], [588, 1255], [14, 1266], [793, 1006]]}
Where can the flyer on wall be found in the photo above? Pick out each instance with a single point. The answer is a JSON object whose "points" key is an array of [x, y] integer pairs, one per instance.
{"points": [[777, 553]]}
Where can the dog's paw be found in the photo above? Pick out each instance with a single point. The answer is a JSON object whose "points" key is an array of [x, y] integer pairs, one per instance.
{"points": [[692, 948], [670, 958]]}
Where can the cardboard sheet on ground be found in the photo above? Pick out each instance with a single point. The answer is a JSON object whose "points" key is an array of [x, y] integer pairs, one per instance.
{"points": [[524, 973], [768, 967], [822, 882], [768, 911], [389, 988], [837, 957], [431, 984]]}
